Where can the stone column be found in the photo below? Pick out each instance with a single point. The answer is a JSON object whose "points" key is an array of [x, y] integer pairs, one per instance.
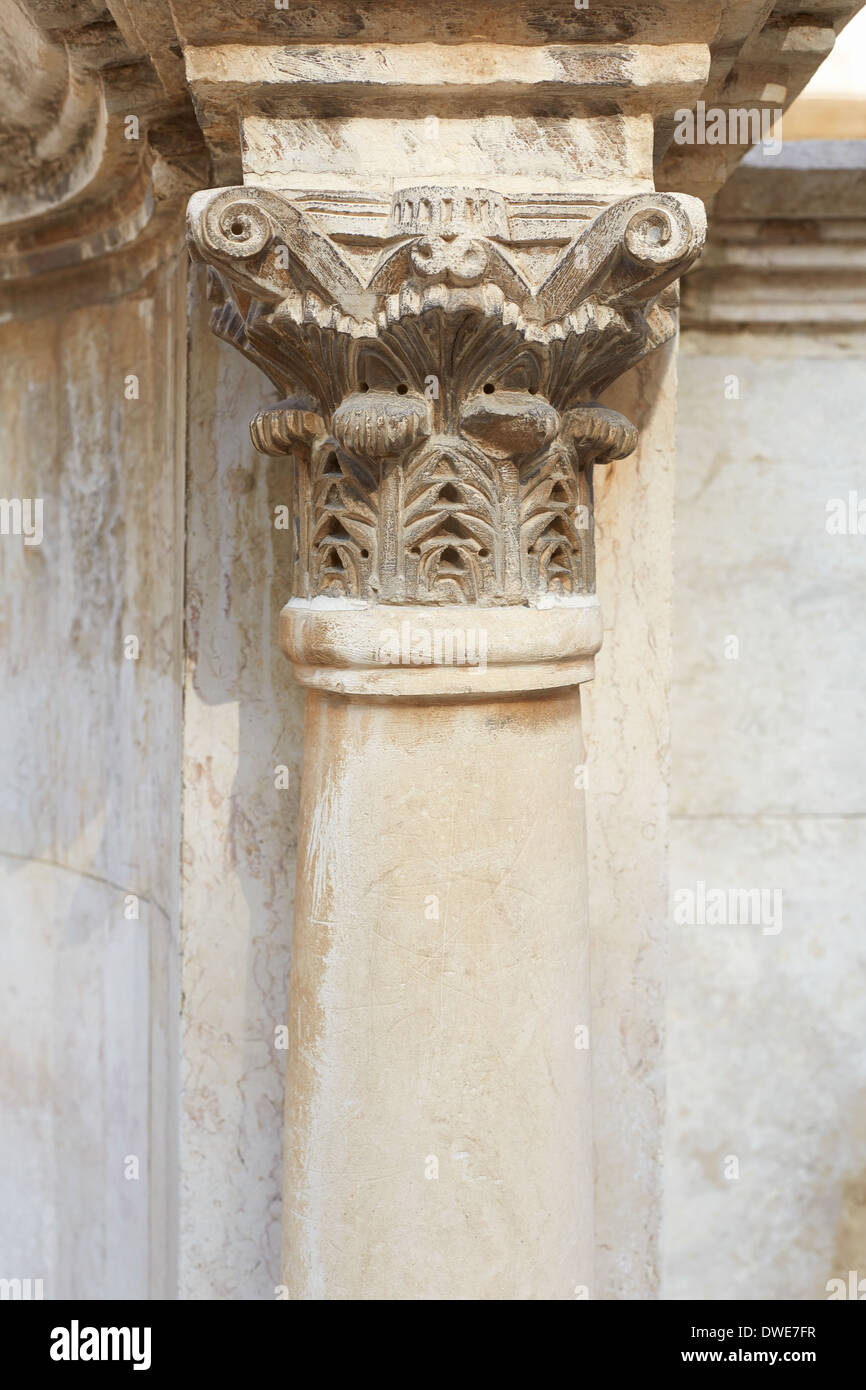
{"points": [[441, 410], [110, 117]]}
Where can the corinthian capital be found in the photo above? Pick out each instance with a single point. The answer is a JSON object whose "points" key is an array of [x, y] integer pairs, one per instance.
{"points": [[439, 369]]}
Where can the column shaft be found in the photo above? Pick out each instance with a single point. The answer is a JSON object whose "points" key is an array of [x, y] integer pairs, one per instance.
{"points": [[438, 1125]]}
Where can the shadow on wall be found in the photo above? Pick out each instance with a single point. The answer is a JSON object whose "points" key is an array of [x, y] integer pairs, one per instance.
{"points": [[243, 723]]}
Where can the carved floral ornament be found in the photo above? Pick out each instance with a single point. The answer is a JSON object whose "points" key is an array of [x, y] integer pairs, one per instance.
{"points": [[440, 404]]}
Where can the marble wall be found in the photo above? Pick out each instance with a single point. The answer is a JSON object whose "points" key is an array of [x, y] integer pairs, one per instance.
{"points": [[765, 1186], [148, 1039], [90, 727]]}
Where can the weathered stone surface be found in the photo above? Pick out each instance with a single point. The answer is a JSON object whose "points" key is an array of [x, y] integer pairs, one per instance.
{"points": [[555, 124], [100, 148], [788, 244], [439, 405], [763, 55], [243, 720], [627, 772], [759, 1020], [91, 806]]}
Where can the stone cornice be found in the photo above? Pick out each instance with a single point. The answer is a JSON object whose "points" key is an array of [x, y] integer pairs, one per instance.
{"points": [[289, 98], [78, 181], [763, 55], [788, 243]]}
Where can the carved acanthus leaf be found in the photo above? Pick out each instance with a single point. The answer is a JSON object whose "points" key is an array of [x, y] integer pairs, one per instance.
{"points": [[439, 404]]}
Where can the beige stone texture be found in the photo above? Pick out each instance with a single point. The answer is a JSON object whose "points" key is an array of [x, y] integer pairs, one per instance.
{"points": [[491, 169], [91, 808], [437, 1128], [765, 1058], [243, 719], [628, 766]]}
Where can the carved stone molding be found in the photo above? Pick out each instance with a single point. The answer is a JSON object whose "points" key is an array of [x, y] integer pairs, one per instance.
{"points": [[763, 54], [99, 151], [345, 93], [780, 252], [439, 396]]}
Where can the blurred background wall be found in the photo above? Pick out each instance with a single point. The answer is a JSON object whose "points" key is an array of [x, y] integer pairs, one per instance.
{"points": [[765, 1143]]}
